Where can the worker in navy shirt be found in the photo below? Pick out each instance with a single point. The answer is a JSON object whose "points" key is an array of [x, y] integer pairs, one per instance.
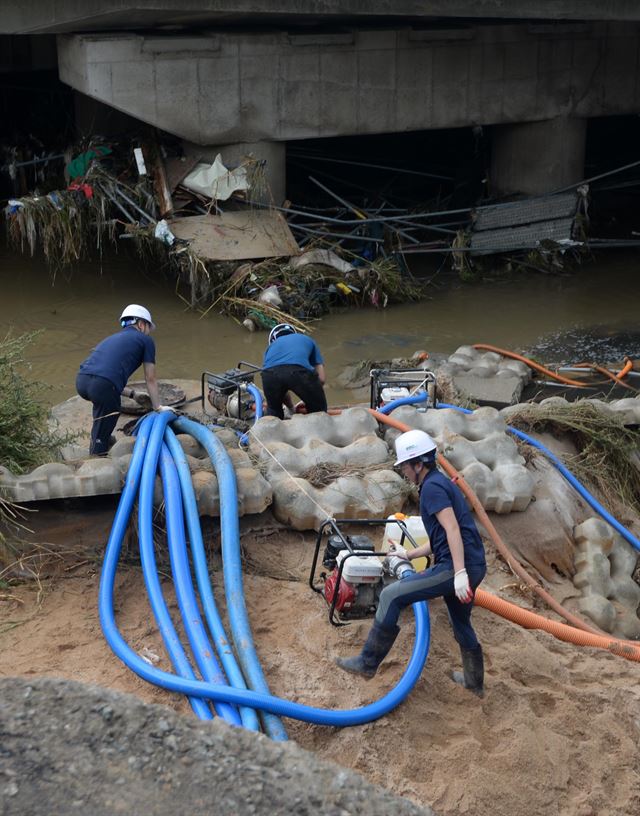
{"points": [[459, 566], [103, 375], [292, 362]]}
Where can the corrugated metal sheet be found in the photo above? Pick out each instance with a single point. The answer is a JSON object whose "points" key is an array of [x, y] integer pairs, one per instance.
{"points": [[528, 236], [532, 210]]}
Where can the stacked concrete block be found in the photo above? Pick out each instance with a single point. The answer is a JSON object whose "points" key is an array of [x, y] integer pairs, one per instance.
{"points": [[484, 376], [94, 477], [605, 563], [287, 450], [106, 475], [478, 446]]}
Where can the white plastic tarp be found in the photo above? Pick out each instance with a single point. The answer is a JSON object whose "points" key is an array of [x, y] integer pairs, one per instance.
{"points": [[215, 180]]}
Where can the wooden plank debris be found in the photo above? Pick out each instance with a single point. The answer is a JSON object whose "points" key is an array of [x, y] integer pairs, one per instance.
{"points": [[237, 236]]}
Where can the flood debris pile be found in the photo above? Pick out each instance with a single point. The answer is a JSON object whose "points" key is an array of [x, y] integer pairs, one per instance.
{"points": [[204, 225]]}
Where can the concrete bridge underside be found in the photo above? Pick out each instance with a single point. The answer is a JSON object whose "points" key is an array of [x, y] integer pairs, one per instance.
{"points": [[539, 83], [59, 16]]}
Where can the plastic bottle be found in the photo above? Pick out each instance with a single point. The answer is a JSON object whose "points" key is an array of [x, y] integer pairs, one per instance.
{"points": [[393, 534]]}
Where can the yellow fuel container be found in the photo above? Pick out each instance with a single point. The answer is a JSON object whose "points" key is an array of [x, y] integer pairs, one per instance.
{"points": [[393, 534]]}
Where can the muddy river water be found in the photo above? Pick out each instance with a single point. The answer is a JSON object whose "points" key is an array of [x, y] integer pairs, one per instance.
{"points": [[590, 315]]}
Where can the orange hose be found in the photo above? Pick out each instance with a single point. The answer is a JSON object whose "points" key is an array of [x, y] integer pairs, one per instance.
{"points": [[575, 620], [547, 372], [530, 620], [617, 378]]}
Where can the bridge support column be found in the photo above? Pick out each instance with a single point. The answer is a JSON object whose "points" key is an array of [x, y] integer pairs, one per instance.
{"points": [[272, 153], [537, 157]]}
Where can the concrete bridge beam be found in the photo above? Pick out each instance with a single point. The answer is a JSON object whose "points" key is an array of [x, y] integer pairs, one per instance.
{"points": [[227, 88]]}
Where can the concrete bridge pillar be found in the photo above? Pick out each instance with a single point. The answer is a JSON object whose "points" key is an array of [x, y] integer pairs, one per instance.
{"points": [[273, 154], [537, 157]]}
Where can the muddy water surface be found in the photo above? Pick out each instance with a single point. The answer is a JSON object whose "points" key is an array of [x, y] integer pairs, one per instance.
{"points": [[593, 314]]}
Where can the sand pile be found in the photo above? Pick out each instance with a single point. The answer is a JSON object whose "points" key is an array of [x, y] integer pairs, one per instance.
{"points": [[557, 732]]}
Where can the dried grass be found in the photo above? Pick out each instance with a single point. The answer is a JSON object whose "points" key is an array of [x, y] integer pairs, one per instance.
{"points": [[606, 447]]}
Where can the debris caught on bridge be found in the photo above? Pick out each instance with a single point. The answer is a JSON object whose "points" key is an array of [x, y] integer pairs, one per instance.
{"points": [[216, 231]]}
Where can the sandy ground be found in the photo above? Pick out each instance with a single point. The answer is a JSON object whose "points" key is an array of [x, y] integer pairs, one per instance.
{"points": [[557, 732]]}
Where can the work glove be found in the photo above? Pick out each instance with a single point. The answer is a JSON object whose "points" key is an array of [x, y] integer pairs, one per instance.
{"points": [[164, 408], [396, 549], [462, 587]]}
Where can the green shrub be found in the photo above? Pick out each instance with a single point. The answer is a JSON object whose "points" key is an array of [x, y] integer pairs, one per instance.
{"points": [[26, 441]]}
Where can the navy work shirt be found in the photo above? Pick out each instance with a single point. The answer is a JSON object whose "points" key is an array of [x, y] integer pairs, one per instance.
{"points": [[118, 356], [436, 493], [293, 349]]}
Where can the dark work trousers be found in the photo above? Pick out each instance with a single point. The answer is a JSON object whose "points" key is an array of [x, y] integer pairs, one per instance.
{"points": [[436, 582], [304, 383], [106, 408]]}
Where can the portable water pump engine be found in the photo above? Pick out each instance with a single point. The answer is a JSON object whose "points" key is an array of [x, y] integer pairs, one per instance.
{"points": [[227, 392], [360, 585], [357, 577], [355, 573]]}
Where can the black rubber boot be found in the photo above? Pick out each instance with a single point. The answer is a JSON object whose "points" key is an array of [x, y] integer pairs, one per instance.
{"points": [[472, 674], [377, 647]]}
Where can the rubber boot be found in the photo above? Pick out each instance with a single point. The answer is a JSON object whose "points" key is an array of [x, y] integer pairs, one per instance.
{"points": [[380, 640], [472, 674]]}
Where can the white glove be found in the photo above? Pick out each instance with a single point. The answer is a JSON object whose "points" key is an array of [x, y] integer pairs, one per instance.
{"points": [[396, 549], [164, 408], [462, 588]]}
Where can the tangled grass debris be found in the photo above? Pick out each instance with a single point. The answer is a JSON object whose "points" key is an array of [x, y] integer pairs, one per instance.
{"points": [[607, 449]]}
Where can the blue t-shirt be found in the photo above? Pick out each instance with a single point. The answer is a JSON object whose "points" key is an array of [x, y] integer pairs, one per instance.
{"points": [[436, 493], [293, 349], [118, 356]]}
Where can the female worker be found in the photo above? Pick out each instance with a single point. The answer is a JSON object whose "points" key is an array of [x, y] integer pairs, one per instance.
{"points": [[458, 569]]}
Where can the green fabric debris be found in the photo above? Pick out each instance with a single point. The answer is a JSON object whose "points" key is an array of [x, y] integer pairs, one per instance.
{"points": [[78, 167]]}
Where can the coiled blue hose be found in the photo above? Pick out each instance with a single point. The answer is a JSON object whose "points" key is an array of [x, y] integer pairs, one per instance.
{"points": [[199, 689], [232, 566], [212, 615], [191, 619], [118, 530], [588, 497]]}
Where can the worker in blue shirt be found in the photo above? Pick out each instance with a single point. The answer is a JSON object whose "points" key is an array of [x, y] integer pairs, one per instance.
{"points": [[103, 375], [292, 362], [459, 566]]}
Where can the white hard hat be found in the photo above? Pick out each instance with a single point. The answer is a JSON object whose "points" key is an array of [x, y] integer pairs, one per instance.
{"points": [[280, 330], [134, 310], [412, 444]]}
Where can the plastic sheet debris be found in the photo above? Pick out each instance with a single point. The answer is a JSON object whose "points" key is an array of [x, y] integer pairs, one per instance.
{"points": [[216, 181], [163, 233], [321, 256]]}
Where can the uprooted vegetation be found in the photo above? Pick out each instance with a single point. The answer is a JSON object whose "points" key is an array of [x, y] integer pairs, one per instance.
{"points": [[608, 451]]}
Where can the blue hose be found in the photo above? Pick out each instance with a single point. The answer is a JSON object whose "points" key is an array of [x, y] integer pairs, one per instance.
{"points": [[588, 497], [257, 396], [114, 545], [216, 627], [159, 607], [232, 566], [414, 399], [198, 689], [191, 619]]}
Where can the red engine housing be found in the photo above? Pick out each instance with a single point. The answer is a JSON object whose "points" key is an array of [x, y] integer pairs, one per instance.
{"points": [[346, 592]]}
